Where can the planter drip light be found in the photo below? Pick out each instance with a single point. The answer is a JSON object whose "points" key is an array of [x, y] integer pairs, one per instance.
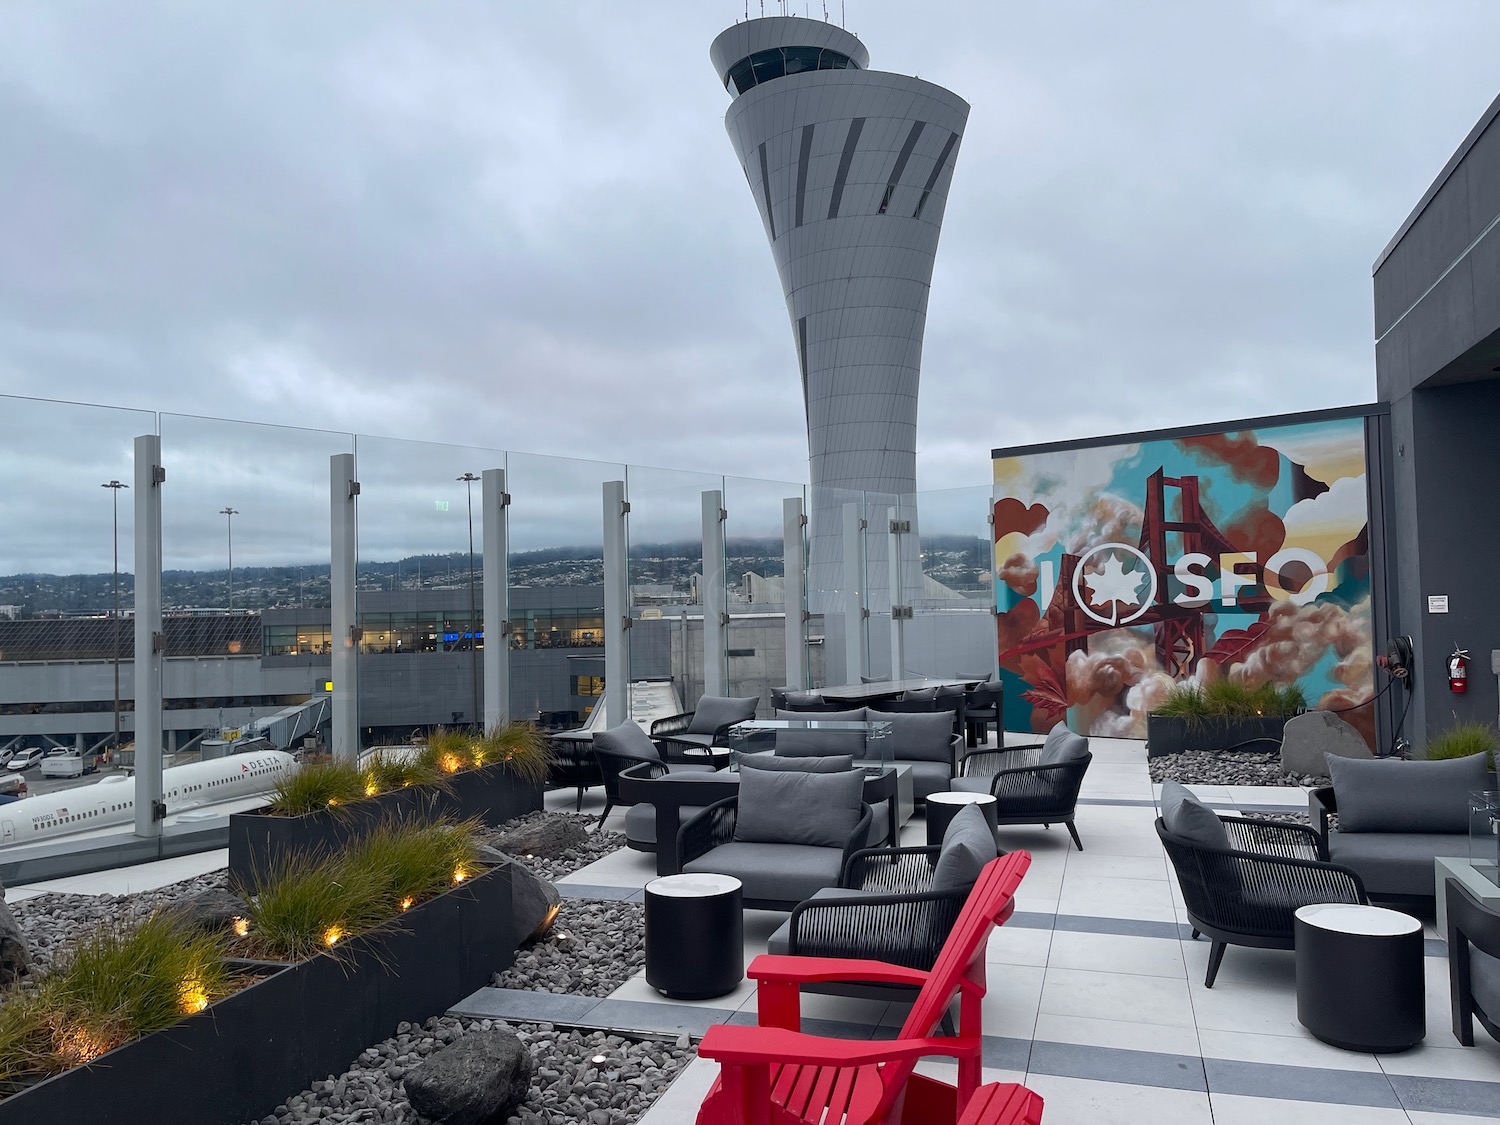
{"points": [[406, 903], [192, 997], [241, 926], [332, 935]]}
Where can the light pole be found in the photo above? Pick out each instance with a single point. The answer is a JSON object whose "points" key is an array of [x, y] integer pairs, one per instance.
{"points": [[114, 487], [469, 479], [229, 514]]}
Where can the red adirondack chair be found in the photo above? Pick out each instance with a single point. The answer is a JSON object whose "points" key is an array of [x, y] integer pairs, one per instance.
{"points": [[774, 1074]]}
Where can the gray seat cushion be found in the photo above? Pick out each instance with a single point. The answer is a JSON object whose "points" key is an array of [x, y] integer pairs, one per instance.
{"points": [[715, 711], [829, 763], [628, 738], [968, 844], [640, 822], [932, 777], [1384, 795], [1186, 816], [775, 872], [919, 737], [796, 807], [969, 784], [1395, 863]]}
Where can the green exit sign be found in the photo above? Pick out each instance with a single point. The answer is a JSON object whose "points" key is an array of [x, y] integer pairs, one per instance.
{"points": [[440, 505]]}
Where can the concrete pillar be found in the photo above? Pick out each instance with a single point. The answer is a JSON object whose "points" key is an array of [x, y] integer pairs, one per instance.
{"points": [[715, 605], [344, 552], [495, 517], [616, 606], [794, 570], [150, 642]]}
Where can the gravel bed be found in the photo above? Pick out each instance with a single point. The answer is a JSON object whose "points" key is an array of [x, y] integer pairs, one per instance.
{"points": [[567, 1088], [1226, 767], [596, 847], [592, 949]]}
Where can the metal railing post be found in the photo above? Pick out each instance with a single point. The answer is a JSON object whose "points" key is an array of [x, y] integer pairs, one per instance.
{"points": [[495, 517]]}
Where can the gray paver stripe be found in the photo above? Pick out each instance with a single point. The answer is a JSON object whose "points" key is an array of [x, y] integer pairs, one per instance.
{"points": [[1226, 806], [594, 890], [1063, 1060]]}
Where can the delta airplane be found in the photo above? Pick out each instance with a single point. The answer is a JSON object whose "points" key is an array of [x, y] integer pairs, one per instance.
{"points": [[110, 802]]}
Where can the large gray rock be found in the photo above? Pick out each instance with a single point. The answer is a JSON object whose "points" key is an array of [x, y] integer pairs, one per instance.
{"points": [[550, 838], [481, 1079], [534, 901], [209, 910], [1306, 738], [15, 960]]}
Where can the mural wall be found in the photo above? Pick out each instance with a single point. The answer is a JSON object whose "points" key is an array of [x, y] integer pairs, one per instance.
{"points": [[1121, 569]]}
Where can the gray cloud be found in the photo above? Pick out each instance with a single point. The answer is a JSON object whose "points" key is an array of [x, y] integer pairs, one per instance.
{"points": [[509, 227]]}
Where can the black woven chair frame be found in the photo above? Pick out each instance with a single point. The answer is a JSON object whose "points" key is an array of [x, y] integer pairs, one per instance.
{"points": [[1029, 792], [611, 765], [714, 826], [690, 749], [904, 929], [1248, 897], [1469, 922], [984, 705], [573, 763]]}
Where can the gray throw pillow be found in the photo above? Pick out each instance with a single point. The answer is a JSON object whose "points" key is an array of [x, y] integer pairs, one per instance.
{"points": [[1184, 815], [919, 737], [792, 807], [628, 738], [1381, 795], [832, 763], [968, 845], [1067, 747], [714, 711]]}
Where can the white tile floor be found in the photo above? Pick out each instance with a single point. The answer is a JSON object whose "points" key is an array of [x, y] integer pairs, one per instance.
{"points": [[1118, 1027]]}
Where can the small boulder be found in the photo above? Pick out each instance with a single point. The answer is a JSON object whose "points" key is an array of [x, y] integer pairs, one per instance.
{"points": [[209, 910], [15, 961], [1306, 738], [534, 901], [551, 838], [479, 1080]]}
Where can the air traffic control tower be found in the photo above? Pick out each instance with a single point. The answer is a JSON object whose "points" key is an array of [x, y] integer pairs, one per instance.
{"points": [[850, 168]]}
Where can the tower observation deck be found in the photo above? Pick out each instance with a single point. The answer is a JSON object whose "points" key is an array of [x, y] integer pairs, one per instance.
{"points": [[850, 169]]}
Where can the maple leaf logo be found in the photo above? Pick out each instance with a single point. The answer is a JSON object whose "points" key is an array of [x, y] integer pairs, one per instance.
{"points": [[1114, 583]]}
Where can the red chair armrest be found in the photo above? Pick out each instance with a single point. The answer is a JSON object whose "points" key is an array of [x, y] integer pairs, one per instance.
{"points": [[747, 1046], [780, 968], [1002, 1103]]}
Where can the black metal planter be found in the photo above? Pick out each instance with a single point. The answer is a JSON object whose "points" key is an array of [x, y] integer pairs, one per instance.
{"points": [[1171, 735], [238, 1059], [257, 841]]}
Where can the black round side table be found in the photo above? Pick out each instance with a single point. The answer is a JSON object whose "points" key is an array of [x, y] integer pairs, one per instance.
{"points": [[943, 807], [1359, 976], [695, 935]]}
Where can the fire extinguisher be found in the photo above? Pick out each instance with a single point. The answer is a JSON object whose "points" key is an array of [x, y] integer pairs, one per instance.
{"points": [[1458, 671]]}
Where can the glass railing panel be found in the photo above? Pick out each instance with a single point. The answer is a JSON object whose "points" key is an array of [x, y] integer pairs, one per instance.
{"points": [[67, 561], [838, 594], [952, 629], [754, 560], [245, 561], [557, 588], [420, 588], [666, 577]]}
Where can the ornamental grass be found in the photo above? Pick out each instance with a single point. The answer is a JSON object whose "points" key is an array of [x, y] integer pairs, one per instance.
{"points": [[115, 985], [1226, 698], [311, 903], [1463, 740]]}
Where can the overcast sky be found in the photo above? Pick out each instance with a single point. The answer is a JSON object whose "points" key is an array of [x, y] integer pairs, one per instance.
{"points": [[522, 227]]}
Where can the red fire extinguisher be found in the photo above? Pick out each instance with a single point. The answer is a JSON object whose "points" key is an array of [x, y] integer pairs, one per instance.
{"points": [[1458, 671]]}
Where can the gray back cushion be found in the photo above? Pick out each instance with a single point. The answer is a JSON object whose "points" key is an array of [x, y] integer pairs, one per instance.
{"points": [[628, 738], [1066, 747], [919, 693], [968, 845], [812, 743], [714, 711], [831, 763], [802, 698], [795, 807], [1382, 795], [1186, 816], [919, 737]]}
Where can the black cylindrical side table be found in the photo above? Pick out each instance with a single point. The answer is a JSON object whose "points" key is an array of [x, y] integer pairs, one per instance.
{"points": [[943, 807], [695, 935], [1359, 976]]}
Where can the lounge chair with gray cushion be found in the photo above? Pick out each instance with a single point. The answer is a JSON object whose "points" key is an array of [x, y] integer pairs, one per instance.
{"points": [[786, 836], [1032, 784], [618, 749], [694, 732], [922, 740]]}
